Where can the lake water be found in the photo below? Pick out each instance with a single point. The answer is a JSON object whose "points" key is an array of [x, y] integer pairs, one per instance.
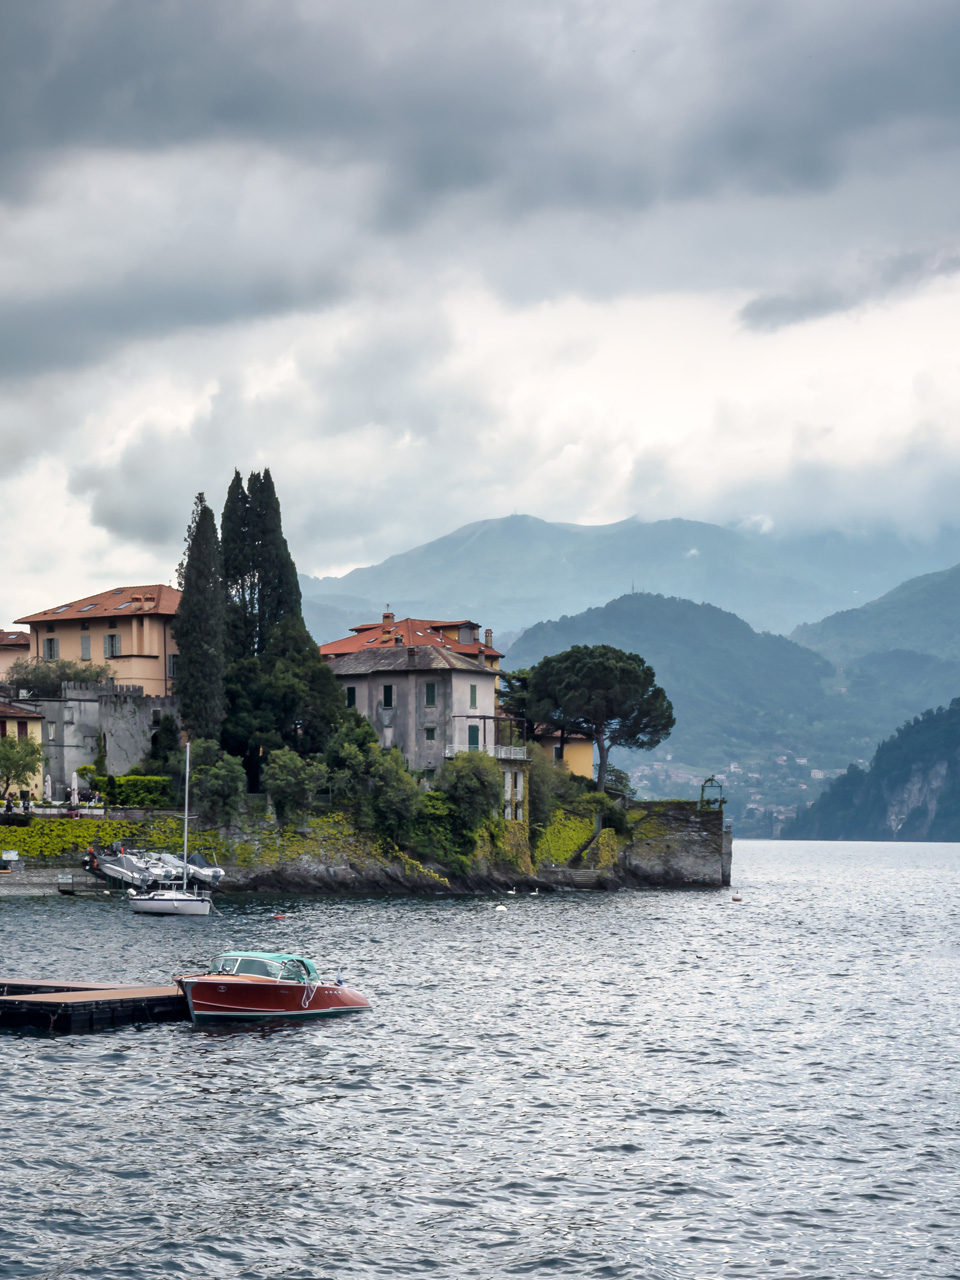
{"points": [[654, 1085]]}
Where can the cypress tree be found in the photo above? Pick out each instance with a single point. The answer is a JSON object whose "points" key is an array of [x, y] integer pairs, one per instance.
{"points": [[198, 628], [277, 587], [238, 575]]}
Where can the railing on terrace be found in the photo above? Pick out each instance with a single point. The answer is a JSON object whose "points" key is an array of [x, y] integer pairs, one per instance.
{"points": [[501, 753]]}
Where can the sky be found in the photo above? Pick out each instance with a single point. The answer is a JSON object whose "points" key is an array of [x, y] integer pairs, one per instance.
{"points": [[434, 262]]}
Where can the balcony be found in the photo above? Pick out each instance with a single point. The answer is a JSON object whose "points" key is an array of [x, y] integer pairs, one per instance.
{"points": [[501, 753]]}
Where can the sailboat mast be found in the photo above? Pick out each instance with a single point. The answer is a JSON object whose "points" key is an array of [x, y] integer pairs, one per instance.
{"points": [[186, 812]]}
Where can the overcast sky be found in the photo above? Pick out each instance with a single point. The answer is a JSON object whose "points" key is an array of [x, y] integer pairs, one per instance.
{"points": [[433, 262]]}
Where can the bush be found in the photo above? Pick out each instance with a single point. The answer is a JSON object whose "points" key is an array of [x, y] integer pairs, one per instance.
{"points": [[219, 786], [133, 791], [292, 782], [436, 833], [473, 783], [43, 679]]}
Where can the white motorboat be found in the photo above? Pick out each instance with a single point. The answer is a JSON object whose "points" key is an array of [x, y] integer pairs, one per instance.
{"points": [[173, 902], [197, 868]]}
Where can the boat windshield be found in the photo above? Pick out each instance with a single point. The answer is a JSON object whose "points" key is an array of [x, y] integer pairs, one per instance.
{"points": [[285, 968], [249, 965]]}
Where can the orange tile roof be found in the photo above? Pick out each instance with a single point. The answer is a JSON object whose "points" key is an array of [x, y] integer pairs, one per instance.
{"points": [[407, 632], [108, 603], [8, 712], [14, 639]]}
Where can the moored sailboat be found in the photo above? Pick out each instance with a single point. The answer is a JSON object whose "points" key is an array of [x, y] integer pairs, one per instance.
{"points": [[174, 901]]}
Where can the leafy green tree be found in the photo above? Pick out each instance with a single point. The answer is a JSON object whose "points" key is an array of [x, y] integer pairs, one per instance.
{"points": [[217, 781], [603, 694], [473, 783], [514, 696], [198, 629], [396, 799], [619, 780], [293, 782], [43, 679], [20, 758]]}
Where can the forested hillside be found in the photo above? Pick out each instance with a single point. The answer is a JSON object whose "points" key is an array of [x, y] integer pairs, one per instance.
{"points": [[911, 790], [922, 614], [733, 689]]}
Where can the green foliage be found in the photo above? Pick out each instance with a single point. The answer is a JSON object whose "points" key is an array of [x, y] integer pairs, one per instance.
{"points": [[134, 791], [549, 784], [20, 758], [473, 783], [396, 798], [198, 628], [100, 759], [292, 782], [603, 694], [44, 679], [217, 784], [280, 692], [86, 773], [564, 837], [514, 697], [619, 780], [437, 833], [165, 754], [868, 804]]}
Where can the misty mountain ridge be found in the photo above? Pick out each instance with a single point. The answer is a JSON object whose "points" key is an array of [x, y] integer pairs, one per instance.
{"points": [[922, 614], [511, 572]]}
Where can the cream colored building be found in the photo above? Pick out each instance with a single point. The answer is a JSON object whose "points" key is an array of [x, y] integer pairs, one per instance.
{"points": [[16, 722], [127, 627], [13, 645]]}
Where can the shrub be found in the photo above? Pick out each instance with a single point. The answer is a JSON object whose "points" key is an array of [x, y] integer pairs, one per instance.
{"points": [[292, 782]]}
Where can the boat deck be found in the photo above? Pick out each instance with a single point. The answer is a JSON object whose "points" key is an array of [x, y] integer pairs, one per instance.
{"points": [[72, 1007]]}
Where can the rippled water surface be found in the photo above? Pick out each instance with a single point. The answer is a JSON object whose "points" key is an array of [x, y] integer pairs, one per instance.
{"points": [[651, 1084]]}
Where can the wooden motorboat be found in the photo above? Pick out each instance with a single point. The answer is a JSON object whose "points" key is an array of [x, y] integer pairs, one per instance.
{"points": [[246, 985]]}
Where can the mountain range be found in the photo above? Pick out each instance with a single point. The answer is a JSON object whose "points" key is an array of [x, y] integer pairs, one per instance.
{"points": [[512, 572]]}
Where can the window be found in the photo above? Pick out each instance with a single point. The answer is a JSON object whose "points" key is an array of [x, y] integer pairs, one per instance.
{"points": [[430, 695], [473, 737], [85, 647], [173, 663], [51, 732], [430, 735], [558, 753], [51, 626], [518, 812], [21, 728], [351, 695], [111, 646], [51, 650], [387, 696], [473, 696], [3, 728], [112, 623], [84, 626], [429, 774]]}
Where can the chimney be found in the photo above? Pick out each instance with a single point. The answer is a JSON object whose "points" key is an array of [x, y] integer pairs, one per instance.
{"points": [[488, 639], [387, 621]]}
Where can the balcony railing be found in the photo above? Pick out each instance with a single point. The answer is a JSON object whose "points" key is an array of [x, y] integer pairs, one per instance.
{"points": [[501, 753]]}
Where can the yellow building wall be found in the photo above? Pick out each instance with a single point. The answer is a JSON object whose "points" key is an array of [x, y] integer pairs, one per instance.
{"points": [[578, 757], [34, 731], [145, 645]]}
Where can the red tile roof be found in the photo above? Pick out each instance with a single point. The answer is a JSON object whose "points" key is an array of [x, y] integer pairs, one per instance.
{"points": [[407, 632], [14, 639], [8, 712], [119, 601]]}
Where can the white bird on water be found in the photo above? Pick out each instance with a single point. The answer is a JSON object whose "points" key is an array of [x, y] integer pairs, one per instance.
{"points": [[511, 893], [534, 893]]}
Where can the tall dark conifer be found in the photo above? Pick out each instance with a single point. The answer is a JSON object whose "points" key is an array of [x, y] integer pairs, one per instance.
{"points": [[238, 573], [277, 587], [198, 628]]}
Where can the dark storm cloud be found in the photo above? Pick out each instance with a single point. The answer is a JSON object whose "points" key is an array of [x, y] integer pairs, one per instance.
{"points": [[617, 105], [899, 273]]}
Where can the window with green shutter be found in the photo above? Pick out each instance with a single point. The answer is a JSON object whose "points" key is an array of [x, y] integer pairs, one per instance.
{"points": [[473, 695], [430, 698], [473, 737], [351, 695]]}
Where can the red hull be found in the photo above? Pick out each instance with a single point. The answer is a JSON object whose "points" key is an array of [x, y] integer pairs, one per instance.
{"points": [[215, 997]]}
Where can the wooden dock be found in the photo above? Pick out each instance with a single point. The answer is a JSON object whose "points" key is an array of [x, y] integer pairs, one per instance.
{"points": [[72, 1007]]}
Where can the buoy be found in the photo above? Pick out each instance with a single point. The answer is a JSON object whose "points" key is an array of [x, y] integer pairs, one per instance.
{"points": [[736, 898], [279, 917]]}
